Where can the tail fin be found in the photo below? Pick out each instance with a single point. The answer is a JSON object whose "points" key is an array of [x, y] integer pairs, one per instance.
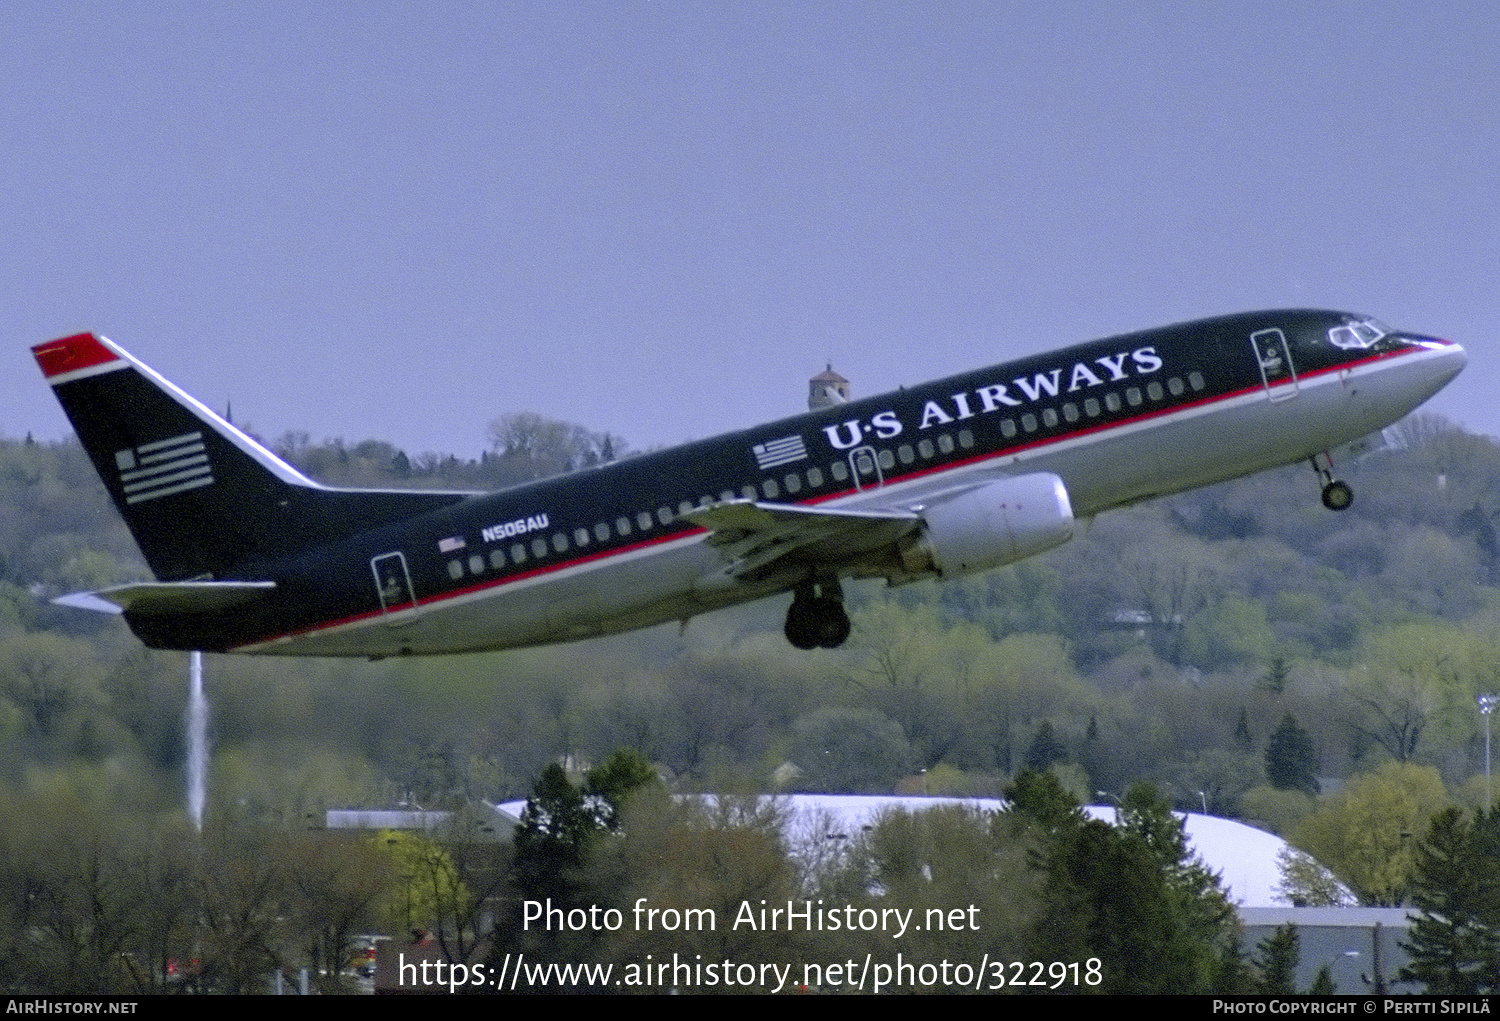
{"points": [[201, 498]]}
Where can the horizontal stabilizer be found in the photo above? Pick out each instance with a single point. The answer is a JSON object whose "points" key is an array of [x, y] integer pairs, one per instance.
{"points": [[159, 597]]}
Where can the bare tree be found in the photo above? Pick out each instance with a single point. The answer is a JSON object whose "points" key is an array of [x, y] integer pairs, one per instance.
{"points": [[1391, 709], [542, 446]]}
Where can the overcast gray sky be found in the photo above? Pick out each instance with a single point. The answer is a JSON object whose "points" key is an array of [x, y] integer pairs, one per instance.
{"points": [[400, 220]]}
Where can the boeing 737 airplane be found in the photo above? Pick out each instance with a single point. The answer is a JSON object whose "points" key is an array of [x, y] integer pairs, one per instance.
{"points": [[933, 481]]}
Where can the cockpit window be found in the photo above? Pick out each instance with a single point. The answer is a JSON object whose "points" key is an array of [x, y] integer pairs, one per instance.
{"points": [[1357, 335]]}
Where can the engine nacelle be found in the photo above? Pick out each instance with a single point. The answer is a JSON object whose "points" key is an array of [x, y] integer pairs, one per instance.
{"points": [[993, 525]]}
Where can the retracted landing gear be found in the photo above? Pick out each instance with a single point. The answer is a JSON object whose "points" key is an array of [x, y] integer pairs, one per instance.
{"points": [[816, 618], [1337, 495]]}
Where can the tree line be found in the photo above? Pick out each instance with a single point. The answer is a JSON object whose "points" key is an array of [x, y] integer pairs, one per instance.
{"points": [[1239, 648]]}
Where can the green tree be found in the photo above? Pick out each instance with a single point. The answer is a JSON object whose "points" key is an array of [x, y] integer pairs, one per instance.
{"points": [[1039, 798], [1275, 677], [427, 889], [1455, 941], [1199, 901], [930, 861], [241, 893], [1291, 759], [1125, 895], [614, 781], [680, 858], [1046, 748], [1242, 735], [1276, 959], [860, 751], [1305, 883], [556, 827], [338, 891], [1364, 832], [561, 829], [1277, 811]]}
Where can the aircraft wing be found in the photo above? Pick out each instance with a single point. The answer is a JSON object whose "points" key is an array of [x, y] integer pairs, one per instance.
{"points": [[168, 596], [756, 538]]}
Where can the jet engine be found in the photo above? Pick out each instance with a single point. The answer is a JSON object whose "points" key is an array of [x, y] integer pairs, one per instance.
{"points": [[995, 524]]}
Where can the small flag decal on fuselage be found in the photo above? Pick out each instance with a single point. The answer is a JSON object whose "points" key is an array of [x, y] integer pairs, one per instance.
{"points": [[776, 452], [162, 468]]}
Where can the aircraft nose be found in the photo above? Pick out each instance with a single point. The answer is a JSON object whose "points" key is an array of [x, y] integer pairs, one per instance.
{"points": [[1445, 359], [1453, 359], [1442, 361]]}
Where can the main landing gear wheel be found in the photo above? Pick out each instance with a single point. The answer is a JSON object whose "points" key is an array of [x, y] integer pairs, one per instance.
{"points": [[1337, 495], [816, 618]]}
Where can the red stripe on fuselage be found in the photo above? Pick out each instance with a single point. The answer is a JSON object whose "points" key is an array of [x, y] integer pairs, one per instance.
{"points": [[936, 469]]}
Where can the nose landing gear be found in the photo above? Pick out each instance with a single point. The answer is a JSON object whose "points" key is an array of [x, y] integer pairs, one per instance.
{"points": [[1337, 495], [816, 618]]}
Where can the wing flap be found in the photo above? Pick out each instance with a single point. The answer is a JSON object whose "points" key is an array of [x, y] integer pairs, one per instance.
{"points": [[169, 597], [755, 538]]}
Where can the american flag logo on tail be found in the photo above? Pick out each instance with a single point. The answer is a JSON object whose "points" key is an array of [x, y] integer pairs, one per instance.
{"points": [[162, 468], [777, 452]]}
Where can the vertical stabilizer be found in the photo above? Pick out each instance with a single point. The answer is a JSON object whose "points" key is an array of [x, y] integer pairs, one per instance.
{"points": [[200, 496]]}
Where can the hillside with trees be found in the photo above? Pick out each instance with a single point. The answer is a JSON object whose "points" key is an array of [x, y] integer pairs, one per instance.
{"points": [[1239, 648]]}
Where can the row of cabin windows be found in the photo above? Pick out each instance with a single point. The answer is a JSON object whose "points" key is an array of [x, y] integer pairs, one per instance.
{"points": [[643, 521], [814, 477], [791, 483], [1093, 407]]}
